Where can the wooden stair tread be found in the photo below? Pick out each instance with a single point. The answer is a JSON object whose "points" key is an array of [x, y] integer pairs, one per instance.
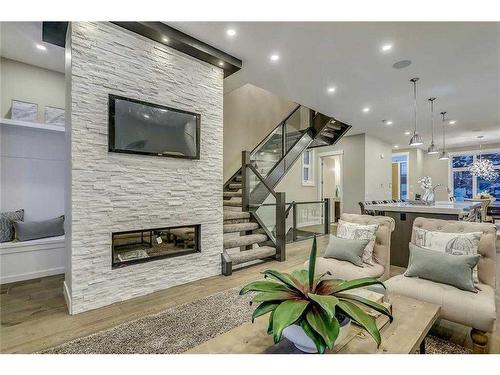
{"points": [[249, 239], [241, 227], [252, 254], [230, 194], [232, 202], [230, 215]]}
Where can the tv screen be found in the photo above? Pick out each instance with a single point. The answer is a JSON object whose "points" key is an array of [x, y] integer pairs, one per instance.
{"points": [[138, 127]]}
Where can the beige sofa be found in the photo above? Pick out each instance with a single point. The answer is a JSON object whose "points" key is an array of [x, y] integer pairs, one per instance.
{"points": [[345, 270], [476, 310]]}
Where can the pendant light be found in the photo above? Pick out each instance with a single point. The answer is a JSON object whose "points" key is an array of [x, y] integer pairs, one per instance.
{"points": [[432, 148], [415, 140], [444, 154], [483, 167]]}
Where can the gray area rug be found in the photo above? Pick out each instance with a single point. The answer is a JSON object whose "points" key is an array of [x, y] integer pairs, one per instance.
{"points": [[183, 327]]}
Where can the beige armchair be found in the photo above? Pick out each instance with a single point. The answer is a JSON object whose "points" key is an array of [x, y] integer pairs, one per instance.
{"points": [[381, 252], [476, 310]]}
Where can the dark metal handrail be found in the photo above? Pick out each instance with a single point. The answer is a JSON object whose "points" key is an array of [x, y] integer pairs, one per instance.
{"points": [[289, 203]]}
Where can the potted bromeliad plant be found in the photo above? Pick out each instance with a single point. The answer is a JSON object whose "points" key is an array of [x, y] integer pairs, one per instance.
{"points": [[312, 311]]}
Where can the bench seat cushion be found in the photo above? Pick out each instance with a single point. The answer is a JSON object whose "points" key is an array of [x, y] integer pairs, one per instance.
{"points": [[341, 269], [476, 310]]}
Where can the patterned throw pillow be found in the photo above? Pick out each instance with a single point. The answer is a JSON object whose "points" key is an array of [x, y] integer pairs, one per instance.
{"points": [[353, 231], [449, 243], [7, 224]]}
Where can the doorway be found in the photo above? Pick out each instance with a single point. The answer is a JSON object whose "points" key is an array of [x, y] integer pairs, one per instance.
{"points": [[330, 182], [399, 183]]}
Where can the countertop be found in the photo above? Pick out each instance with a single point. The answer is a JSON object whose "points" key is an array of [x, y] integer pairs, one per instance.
{"points": [[452, 208]]}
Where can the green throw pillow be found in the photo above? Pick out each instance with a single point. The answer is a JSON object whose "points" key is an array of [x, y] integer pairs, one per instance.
{"points": [[455, 270], [346, 249]]}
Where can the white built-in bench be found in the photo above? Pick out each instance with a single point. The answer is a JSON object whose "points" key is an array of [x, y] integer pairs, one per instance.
{"points": [[31, 259]]}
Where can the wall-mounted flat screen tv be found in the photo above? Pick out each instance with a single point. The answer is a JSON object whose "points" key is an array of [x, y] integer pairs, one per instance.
{"points": [[137, 127]]}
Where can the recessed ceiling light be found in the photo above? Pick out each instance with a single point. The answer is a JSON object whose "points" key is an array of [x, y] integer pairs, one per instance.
{"points": [[274, 57], [231, 32], [146, 115], [396, 146], [407, 132], [366, 109], [386, 47], [387, 122], [165, 39], [452, 122], [221, 63], [331, 89], [41, 47]]}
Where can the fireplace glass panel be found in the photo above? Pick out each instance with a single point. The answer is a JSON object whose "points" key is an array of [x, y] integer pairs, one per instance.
{"points": [[150, 244]]}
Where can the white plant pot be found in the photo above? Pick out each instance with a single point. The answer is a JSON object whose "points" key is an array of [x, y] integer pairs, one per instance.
{"points": [[298, 337]]}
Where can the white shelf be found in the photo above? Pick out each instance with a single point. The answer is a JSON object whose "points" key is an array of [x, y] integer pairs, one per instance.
{"points": [[33, 125]]}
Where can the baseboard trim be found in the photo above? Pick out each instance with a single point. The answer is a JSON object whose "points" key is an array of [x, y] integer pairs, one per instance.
{"points": [[32, 275], [67, 297]]}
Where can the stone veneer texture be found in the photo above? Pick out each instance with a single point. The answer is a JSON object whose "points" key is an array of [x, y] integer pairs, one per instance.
{"points": [[117, 192]]}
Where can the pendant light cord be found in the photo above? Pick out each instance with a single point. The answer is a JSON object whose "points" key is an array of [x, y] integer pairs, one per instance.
{"points": [[432, 119], [414, 80], [444, 130]]}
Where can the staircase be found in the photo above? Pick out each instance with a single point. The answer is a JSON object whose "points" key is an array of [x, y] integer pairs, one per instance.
{"points": [[254, 214]]}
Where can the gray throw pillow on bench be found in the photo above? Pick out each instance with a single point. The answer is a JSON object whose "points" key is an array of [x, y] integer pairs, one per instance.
{"points": [[32, 230], [7, 220], [346, 249], [455, 270]]}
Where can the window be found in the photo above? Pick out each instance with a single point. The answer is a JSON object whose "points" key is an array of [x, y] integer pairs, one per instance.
{"points": [[464, 184], [307, 168]]}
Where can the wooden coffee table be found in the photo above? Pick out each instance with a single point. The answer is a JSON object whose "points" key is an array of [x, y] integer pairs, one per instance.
{"points": [[406, 334]]}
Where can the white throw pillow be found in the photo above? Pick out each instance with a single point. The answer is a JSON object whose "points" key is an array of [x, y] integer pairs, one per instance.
{"points": [[353, 231], [450, 243]]}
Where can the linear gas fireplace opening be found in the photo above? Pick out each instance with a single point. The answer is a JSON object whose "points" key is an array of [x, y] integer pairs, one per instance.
{"points": [[145, 245]]}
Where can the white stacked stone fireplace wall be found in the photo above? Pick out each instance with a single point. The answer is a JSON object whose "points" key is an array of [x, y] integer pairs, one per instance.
{"points": [[113, 192]]}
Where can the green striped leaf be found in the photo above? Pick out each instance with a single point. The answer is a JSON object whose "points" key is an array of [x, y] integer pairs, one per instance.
{"points": [[287, 313], [374, 305], [312, 264], [325, 326], [264, 308], [362, 318], [263, 286], [357, 283], [274, 296], [283, 277], [270, 324], [314, 336], [327, 303]]}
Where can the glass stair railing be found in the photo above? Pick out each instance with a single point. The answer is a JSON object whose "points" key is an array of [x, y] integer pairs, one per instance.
{"points": [[262, 169]]}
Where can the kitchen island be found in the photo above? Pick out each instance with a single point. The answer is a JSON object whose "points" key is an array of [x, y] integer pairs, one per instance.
{"points": [[404, 213]]}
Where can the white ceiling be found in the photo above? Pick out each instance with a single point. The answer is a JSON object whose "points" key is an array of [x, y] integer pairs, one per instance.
{"points": [[459, 63], [18, 41]]}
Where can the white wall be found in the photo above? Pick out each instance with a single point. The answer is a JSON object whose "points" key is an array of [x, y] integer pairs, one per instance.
{"points": [[31, 161], [250, 113], [377, 169], [118, 192], [30, 83]]}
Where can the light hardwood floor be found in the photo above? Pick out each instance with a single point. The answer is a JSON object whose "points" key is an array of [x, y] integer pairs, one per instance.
{"points": [[34, 316]]}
